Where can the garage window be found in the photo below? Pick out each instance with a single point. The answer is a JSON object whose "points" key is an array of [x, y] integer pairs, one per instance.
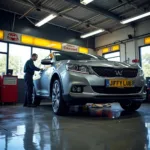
{"points": [[3, 57], [42, 53], [18, 55], [145, 60], [3, 63], [114, 56], [3, 47]]}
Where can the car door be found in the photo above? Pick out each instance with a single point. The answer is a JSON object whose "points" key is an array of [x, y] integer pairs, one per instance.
{"points": [[37, 82], [46, 75]]}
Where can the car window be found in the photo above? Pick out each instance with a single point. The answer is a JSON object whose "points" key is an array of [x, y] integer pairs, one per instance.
{"points": [[101, 58], [72, 56]]}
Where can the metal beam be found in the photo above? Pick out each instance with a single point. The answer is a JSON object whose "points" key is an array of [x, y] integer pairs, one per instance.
{"points": [[30, 20], [96, 9], [34, 5], [114, 8], [53, 11], [13, 25], [27, 12], [129, 2], [30, 2], [86, 21], [13, 12], [126, 2]]}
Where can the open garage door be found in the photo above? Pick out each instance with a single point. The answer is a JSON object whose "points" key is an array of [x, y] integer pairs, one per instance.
{"points": [[145, 60]]}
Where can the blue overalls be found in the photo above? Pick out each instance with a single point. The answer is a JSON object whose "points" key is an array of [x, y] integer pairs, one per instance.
{"points": [[29, 69]]}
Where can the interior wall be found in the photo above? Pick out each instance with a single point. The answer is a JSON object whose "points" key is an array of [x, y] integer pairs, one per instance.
{"points": [[132, 47]]}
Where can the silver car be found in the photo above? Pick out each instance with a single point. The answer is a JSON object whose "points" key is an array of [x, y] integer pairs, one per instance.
{"points": [[71, 78]]}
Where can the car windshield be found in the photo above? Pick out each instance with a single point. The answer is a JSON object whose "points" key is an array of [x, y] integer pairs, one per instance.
{"points": [[101, 58], [73, 56]]}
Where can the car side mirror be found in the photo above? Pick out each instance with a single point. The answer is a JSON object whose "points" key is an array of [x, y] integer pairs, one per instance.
{"points": [[46, 62]]}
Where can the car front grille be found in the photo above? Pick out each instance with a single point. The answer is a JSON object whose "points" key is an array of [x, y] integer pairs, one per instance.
{"points": [[113, 72], [104, 90]]}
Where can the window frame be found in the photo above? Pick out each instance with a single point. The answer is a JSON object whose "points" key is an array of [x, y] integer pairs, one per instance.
{"points": [[8, 49], [31, 46], [18, 45], [140, 56], [6, 53], [39, 48]]}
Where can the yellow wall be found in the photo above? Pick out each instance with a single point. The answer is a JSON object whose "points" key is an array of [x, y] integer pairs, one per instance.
{"points": [[147, 40], [30, 40], [83, 50], [25, 39], [1, 34]]}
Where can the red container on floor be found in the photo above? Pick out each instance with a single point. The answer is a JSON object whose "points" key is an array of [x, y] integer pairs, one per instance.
{"points": [[9, 89]]}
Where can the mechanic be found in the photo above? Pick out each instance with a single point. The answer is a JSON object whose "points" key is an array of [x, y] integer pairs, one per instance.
{"points": [[29, 69]]}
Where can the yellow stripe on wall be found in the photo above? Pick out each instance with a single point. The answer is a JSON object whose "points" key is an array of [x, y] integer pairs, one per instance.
{"points": [[115, 48], [30, 40], [56, 45], [41, 42], [147, 40], [83, 50], [1, 34], [27, 39], [105, 50]]}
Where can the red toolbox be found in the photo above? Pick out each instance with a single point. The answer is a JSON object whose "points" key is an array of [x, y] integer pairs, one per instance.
{"points": [[9, 89]]}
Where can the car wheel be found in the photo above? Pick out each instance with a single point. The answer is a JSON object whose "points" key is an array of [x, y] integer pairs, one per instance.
{"points": [[58, 104], [36, 100], [132, 106]]}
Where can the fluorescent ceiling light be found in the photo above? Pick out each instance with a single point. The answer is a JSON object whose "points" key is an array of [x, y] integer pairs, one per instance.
{"points": [[85, 2], [92, 33], [135, 18], [45, 20]]}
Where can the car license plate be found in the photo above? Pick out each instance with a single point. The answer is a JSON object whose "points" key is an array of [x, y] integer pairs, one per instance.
{"points": [[119, 83]]}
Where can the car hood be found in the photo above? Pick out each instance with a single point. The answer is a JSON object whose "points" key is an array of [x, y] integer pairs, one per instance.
{"points": [[103, 63]]}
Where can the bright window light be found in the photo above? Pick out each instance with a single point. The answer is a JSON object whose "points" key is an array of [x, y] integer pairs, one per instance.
{"points": [[114, 56], [18, 55], [135, 18], [42, 53], [45, 20], [85, 2], [92, 33], [3, 47], [3, 63]]}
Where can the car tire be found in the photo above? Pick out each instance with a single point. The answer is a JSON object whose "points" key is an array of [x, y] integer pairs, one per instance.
{"points": [[133, 106], [36, 100], [58, 104]]}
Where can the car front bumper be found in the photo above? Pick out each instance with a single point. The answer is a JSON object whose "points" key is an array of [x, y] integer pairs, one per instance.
{"points": [[90, 96]]}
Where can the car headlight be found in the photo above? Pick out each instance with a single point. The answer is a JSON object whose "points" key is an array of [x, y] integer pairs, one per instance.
{"points": [[140, 72], [79, 68]]}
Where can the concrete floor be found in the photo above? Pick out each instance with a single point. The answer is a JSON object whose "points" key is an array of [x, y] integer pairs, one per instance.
{"points": [[96, 129]]}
